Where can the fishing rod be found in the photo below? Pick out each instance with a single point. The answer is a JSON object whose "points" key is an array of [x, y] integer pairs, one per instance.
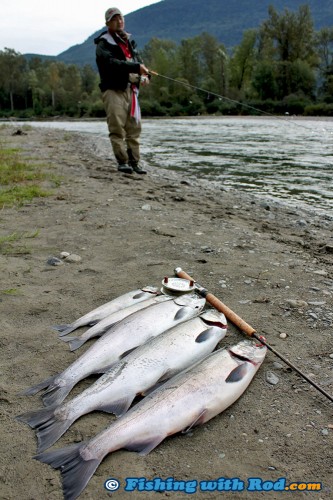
{"points": [[245, 327], [186, 84]]}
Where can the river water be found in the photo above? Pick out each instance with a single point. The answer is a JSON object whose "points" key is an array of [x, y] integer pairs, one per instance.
{"points": [[285, 159]]}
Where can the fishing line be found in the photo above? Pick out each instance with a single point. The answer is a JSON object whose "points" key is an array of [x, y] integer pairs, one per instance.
{"points": [[277, 117]]}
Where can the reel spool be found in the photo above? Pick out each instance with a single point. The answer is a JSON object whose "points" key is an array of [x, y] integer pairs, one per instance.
{"points": [[177, 286]]}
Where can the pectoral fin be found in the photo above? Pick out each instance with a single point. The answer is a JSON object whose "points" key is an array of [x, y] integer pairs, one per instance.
{"points": [[182, 313], [139, 295], [205, 335], [237, 373], [200, 419]]}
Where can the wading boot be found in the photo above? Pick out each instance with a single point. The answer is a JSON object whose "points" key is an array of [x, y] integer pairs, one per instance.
{"points": [[126, 169], [137, 169], [134, 163]]}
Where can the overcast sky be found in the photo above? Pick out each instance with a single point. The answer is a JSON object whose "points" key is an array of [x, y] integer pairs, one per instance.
{"points": [[49, 28]]}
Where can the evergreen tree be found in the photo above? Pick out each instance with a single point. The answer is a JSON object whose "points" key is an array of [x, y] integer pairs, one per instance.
{"points": [[12, 73]]}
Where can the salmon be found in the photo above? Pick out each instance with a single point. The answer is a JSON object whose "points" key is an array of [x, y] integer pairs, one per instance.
{"points": [[155, 361], [192, 397], [122, 338], [105, 324], [121, 302]]}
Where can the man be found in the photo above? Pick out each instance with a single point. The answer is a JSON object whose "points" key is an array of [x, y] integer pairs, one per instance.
{"points": [[121, 70]]}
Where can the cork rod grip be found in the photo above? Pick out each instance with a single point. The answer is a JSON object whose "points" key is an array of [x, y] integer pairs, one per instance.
{"points": [[215, 302]]}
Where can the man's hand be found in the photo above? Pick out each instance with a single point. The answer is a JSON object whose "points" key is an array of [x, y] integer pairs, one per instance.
{"points": [[144, 75], [143, 70], [144, 80]]}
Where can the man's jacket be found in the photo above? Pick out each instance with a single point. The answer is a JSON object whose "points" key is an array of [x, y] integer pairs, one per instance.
{"points": [[112, 65]]}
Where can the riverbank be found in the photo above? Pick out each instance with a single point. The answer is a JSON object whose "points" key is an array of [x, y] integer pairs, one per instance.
{"points": [[270, 263], [251, 154]]}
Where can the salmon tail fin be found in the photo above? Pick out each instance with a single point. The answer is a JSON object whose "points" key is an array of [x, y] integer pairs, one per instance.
{"points": [[49, 427], [36, 417], [63, 329], [38, 387], [55, 394], [75, 470]]}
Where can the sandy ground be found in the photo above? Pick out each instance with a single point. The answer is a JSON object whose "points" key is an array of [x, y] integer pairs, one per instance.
{"points": [[270, 264]]}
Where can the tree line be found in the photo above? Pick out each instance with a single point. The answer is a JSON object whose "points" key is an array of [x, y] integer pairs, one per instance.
{"points": [[284, 66]]}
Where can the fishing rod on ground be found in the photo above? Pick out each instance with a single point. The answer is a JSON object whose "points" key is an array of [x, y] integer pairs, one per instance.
{"points": [[186, 84], [245, 327]]}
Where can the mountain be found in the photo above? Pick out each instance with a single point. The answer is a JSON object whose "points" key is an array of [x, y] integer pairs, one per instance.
{"points": [[179, 19]]}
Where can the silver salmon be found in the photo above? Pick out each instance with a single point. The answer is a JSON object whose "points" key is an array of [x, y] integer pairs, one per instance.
{"points": [[123, 337], [105, 324], [154, 362], [91, 318], [190, 398]]}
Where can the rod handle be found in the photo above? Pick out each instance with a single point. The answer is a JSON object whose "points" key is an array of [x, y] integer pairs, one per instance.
{"points": [[215, 302]]}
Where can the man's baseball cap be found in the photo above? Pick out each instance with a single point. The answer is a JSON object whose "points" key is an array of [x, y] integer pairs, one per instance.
{"points": [[113, 11]]}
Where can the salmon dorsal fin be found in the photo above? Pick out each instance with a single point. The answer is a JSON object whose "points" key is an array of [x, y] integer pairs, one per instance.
{"points": [[237, 373]]}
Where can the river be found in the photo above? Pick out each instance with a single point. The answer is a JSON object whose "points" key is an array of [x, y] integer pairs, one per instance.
{"points": [[286, 159]]}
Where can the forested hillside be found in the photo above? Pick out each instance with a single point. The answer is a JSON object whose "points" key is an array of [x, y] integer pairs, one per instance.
{"points": [[284, 65], [176, 20]]}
